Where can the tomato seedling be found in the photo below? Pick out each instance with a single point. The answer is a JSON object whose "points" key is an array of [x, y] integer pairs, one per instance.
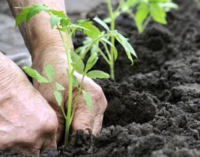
{"points": [[110, 53], [75, 62], [145, 10]]}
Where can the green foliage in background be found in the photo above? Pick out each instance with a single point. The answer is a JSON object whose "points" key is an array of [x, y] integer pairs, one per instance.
{"points": [[145, 11]]}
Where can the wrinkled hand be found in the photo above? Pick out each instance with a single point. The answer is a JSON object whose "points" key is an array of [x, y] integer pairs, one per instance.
{"points": [[84, 118], [28, 124]]}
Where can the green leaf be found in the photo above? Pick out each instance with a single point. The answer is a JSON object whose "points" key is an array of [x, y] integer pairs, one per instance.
{"points": [[97, 74], [126, 45], [65, 22], [141, 15], [57, 13], [102, 23], [107, 20], [79, 67], [95, 48], [36, 9], [91, 62], [88, 99], [89, 29], [58, 97], [59, 86], [54, 20], [22, 16], [132, 3], [49, 71], [35, 75], [167, 6], [75, 81], [157, 13]]}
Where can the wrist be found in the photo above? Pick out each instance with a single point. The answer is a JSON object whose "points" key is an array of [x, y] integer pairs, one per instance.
{"points": [[45, 48], [41, 34], [49, 49], [49, 54]]}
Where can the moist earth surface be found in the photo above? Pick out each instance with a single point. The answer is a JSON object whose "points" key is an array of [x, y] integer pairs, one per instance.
{"points": [[153, 106]]}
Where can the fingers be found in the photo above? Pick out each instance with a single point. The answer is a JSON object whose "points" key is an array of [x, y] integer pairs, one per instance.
{"points": [[49, 143], [83, 118], [97, 125], [90, 120]]}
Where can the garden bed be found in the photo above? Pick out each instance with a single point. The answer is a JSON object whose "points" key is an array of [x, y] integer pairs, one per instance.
{"points": [[153, 106]]}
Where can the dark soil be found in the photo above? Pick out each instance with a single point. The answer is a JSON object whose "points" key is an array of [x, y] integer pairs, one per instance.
{"points": [[154, 106]]}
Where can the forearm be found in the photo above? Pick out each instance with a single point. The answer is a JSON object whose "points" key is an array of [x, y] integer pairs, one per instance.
{"points": [[38, 33]]}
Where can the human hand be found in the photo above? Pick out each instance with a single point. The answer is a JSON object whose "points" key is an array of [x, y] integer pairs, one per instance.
{"points": [[84, 118], [28, 124]]}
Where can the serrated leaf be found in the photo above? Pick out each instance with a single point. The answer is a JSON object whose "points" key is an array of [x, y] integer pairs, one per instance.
{"points": [[157, 13], [89, 29], [59, 86], [57, 13], [65, 22], [91, 62], [97, 74], [79, 67], [54, 20], [36, 9], [142, 12], [22, 16], [58, 97], [35, 75], [102, 23], [88, 99], [75, 81], [126, 45], [141, 15], [49, 71]]}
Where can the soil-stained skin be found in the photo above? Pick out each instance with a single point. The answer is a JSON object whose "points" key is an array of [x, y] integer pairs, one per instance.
{"points": [[154, 106]]}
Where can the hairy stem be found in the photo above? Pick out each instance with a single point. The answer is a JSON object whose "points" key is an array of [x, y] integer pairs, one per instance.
{"points": [[112, 28], [70, 84], [70, 91], [77, 97]]}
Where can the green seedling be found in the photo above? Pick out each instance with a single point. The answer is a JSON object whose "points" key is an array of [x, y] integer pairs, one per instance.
{"points": [[145, 11], [75, 62], [110, 53]]}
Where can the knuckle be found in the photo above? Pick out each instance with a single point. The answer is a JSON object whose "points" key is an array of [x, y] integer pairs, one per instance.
{"points": [[50, 125], [98, 93], [100, 98]]}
